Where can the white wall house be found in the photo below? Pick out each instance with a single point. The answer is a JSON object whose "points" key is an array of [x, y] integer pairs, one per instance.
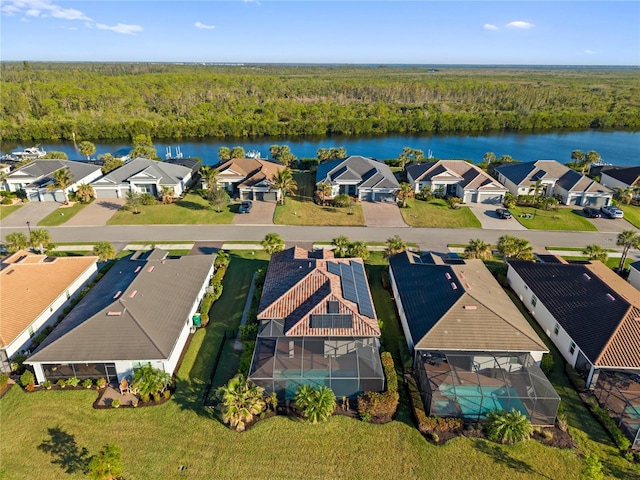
{"points": [[634, 274]]}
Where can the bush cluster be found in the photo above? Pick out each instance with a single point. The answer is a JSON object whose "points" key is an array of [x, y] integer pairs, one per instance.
{"points": [[342, 200], [575, 378], [389, 372], [547, 363], [210, 297], [378, 407], [609, 424], [417, 406], [27, 378], [438, 424]]}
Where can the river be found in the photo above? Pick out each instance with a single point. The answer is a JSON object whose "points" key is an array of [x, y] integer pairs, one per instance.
{"points": [[617, 147]]}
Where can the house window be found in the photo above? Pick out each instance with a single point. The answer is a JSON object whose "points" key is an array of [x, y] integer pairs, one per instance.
{"points": [[572, 348], [534, 300], [556, 329]]}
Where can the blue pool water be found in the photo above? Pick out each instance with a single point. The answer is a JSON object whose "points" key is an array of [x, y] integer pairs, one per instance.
{"points": [[478, 400]]}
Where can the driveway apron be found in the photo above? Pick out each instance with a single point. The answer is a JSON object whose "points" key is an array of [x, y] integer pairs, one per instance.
{"points": [[32, 212], [97, 213], [490, 220], [261, 214], [381, 214]]}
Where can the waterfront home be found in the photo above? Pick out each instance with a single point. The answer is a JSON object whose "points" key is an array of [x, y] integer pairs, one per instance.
{"points": [[249, 178]]}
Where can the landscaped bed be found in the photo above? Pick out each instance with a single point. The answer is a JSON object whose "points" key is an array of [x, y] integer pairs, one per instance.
{"points": [[564, 218], [437, 213]]}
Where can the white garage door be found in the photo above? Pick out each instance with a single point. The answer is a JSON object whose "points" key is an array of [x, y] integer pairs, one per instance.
{"points": [[106, 192], [489, 198]]}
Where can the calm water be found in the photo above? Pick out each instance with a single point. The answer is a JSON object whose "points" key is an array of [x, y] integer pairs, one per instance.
{"points": [[618, 148]]}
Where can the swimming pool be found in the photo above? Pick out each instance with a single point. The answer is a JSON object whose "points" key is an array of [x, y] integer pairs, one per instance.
{"points": [[477, 400]]}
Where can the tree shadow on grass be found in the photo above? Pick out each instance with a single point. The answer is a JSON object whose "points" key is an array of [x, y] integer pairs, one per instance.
{"points": [[191, 205], [65, 451], [499, 455]]}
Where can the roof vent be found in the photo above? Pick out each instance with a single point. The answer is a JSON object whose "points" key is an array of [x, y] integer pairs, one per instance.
{"points": [[462, 275], [448, 276], [454, 286], [137, 269], [114, 314], [610, 297], [470, 307], [150, 269], [133, 294], [10, 272], [117, 294], [586, 276], [468, 286]]}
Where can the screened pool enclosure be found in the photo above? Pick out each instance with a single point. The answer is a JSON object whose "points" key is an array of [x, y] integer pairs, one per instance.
{"points": [[469, 384], [349, 366], [619, 393]]}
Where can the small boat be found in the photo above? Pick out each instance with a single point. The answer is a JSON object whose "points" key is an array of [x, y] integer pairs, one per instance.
{"points": [[30, 153]]}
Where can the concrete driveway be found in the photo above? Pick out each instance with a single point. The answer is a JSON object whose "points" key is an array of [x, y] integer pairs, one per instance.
{"points": [[32, 212], [97, 213], [490, 220], [382, 214], [609, 225], [261, 214]]}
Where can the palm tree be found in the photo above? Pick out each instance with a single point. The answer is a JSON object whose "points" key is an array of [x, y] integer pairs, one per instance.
{"points": [[273, 243], [508, 427], [16, 241], [627, 239], [478, 249], [105, 251], [150, 381], [62, 179], [167, 193], [85, 193], [395, 245], [324, 191], [87, 149], [623, 195], [241, 401], [209, 175], [405, 192], [595, 252], [283, 181], [341, 243], [536, 188], [41, 239], [316, 404], [357, 250], [514, 247], [489, 157], [592, 157]]}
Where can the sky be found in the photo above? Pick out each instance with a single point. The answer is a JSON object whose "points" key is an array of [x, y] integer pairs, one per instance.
{"points": [[355, 32]]}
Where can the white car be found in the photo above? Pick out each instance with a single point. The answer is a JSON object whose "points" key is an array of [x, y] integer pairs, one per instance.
{"points": [[612, 212]]}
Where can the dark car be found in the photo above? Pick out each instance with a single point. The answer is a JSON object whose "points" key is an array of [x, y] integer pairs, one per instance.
{"points": [[503, 213], [591, 212], [245, 206]]}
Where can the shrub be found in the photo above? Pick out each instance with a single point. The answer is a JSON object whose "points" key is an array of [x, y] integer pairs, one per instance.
{"points": [[61, 383], [389, 372], [101, 382], [47, 384], [17, 363], [115, 403], [417, 406], [563, 424], [88, 383], [386, 283], [147, 199], [7, 201], [365, 417], [245, 359], [73, 381], [166, 394], [508, 427], [438, 424], [248, 333], [4, 380], [342, 200], [609, 424], [26, 378], [575, 378], [378, 406], [547, 363]]}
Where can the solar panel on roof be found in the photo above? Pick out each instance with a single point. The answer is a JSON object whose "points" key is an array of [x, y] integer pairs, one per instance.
{"points": [[333, 268], [331, 321], [362, 290]]}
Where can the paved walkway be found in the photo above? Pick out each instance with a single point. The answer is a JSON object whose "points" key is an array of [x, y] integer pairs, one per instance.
{"points": [[490, 220], [110, 394], [31, 212], [97, 213], [382, 214], [261, 214]]}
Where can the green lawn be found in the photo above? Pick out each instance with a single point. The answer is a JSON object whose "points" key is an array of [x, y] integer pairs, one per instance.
{"points": [[437, 214], [564, 218], [631, 214], [299, 209], [61, 215], [9, 209], [612, 263], [191, 210]]}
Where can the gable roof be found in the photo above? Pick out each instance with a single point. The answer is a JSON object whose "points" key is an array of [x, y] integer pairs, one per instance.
{"points": [[368, 173], [30, 284], [165, 173], [302, 287], [254, 170], [627, 175], [470, 176], [598, 309], [41, 171], [459, 306], [136, 312]]}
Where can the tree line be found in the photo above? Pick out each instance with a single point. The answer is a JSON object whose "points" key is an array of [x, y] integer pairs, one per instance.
{"points": [[109, 102]]}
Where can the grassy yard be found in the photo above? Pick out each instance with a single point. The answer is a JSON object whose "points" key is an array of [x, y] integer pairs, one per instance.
{"points": [[8, 209], [564, 218], [61, 215], [611, 262], [191, 210], [437, 214], [299, 209], [631, 214]]}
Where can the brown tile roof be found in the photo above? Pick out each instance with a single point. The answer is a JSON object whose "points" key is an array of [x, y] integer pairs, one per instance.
{"points": [[29, 284], [253, 169], [472, 177]]}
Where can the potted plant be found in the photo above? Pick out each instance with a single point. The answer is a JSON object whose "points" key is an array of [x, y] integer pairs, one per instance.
{"points": [[61, 383], [115, 403], [88, 383], [47, 384], [101, 382], [73, 381], [134, 402]]}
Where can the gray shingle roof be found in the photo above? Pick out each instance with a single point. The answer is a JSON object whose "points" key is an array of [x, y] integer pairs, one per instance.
{"points": [[356, 168], [166, 173], [627, 175], [43, 170]]}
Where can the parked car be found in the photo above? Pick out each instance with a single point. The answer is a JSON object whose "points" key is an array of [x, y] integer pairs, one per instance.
{"points": [[245, 206], [591, 212], [612, 212], [503, 213]]}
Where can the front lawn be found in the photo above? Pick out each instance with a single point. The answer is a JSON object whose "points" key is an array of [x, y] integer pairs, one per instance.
{"points": [[300, 209], [61, 215], [436, 213], [564, 218], [191, 210], [631, 214], [6, 210]]}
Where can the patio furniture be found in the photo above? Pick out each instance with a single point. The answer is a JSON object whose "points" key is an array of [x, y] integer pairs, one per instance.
{"points": [[124, 387]]}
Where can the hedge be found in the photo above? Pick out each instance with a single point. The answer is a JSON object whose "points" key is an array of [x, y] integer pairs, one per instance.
{"points": [[609, 424], [389, 371], [575, 378], [547, 363]]}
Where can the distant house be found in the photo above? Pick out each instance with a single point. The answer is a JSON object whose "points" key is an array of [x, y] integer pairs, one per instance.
{"points": [[473, 350], [456, 178], [621, 177], [634, 274], [139, 313], [589, 312], [361, 177], [144, 176], [556, 180], [249, 178], [35, 177], [35, 290], [318, 326]]}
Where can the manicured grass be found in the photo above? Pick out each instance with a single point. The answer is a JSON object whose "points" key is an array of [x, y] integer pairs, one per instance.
{"points": [[299, 209], [612, 263], [191, 210], [436, 213], [631, 214], [576, 249], [61, 215], [564, 218], [9, 209]]}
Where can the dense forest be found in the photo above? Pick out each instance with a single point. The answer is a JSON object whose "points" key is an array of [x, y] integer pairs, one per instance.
{"points": [[50, 101]]}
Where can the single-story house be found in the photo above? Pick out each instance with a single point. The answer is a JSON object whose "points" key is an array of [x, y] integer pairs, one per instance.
{"points": [[143, 176], [140, 312], [621, 177], [35, 177], [456, 178], [249, 178], [361, 177], [556, 180], [473, 350], [590, 313], [634, 274], [317, 326], [35, 291]]}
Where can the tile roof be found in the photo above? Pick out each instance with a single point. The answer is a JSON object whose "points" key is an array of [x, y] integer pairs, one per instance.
{"points": [[627, 175], [254, 170], [475, 315], [141, 322], [598, 309], [41, 171], [471, 177], [367, 172], [299, 284], [166, 173], [30, 283]]}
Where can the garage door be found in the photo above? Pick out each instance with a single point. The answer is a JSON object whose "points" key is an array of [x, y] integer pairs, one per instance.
{"points": [[49, 196], [489, 198], [385, 197], [575, 200], [33, 197], [106, 192], [246, 195], [595, 201], [270, 196]]}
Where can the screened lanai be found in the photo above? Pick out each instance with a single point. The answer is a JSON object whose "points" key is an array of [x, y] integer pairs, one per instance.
{"points": [[348, 366], [469, 384], [619, 393]]}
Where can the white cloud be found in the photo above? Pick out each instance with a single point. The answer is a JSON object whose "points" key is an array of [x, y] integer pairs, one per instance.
{"points": [[9, 10], [520, 24], [489, 26], [121, 28], [42, 9], [203, 26], [589, 52]]}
